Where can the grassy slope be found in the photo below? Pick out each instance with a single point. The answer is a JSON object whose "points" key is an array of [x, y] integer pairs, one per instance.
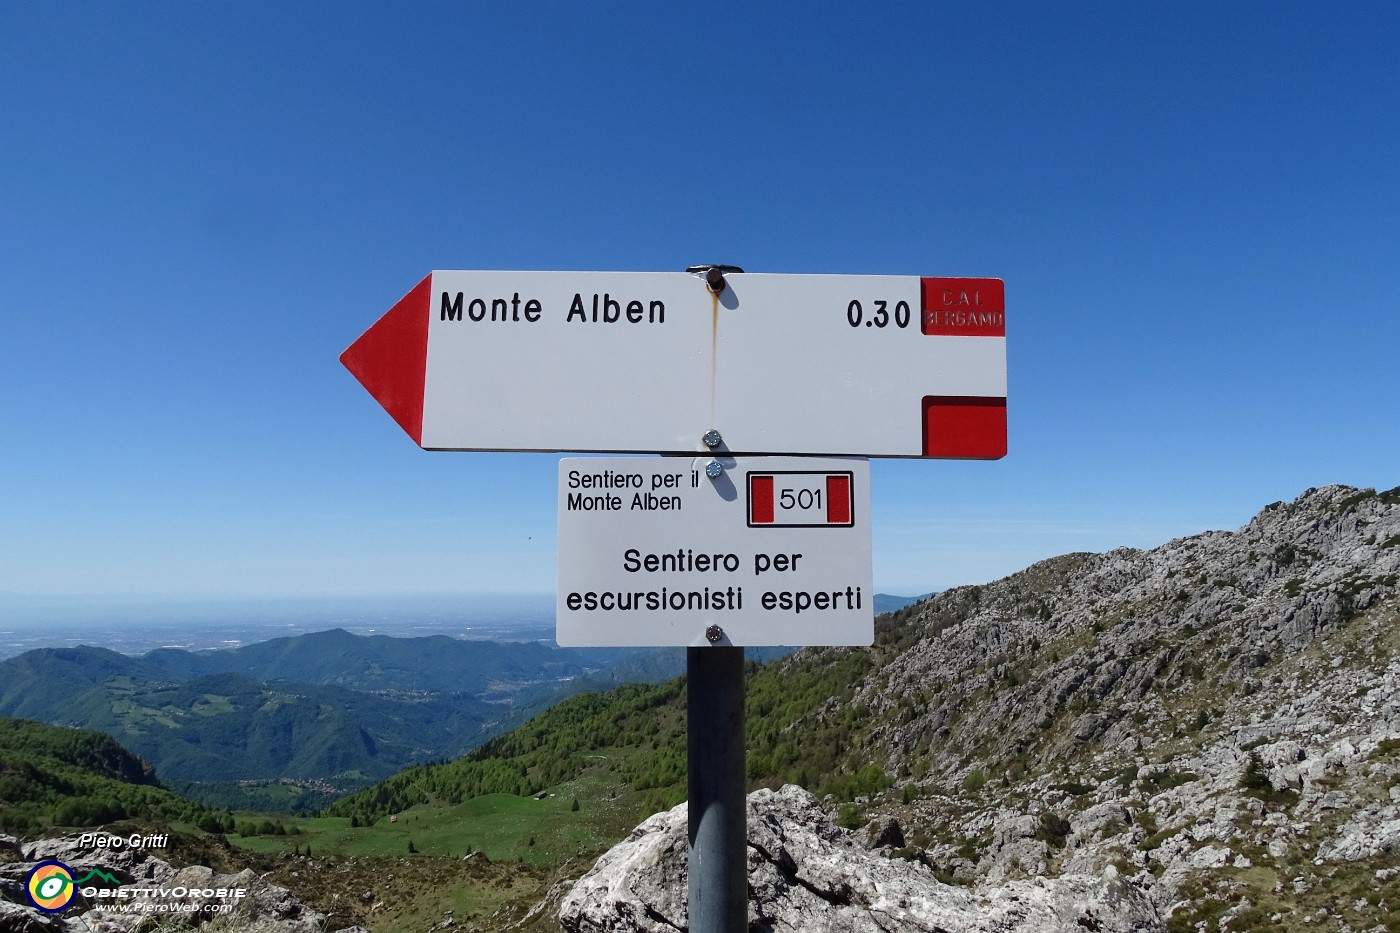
{"points": [[52, 777], [632, 740]]}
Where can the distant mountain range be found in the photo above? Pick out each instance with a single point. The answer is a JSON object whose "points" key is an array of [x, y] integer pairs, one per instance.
{"points": [[329, 709], [293, 721]]}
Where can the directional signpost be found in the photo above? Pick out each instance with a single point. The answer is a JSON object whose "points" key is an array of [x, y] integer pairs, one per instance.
{"points": [[725, 545], [647, 362]]}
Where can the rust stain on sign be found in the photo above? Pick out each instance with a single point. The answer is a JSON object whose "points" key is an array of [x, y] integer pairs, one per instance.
{"points": [[714, 351]]}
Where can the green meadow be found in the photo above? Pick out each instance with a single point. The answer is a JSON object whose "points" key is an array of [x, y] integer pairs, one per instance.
{"points": [[573, 819]]}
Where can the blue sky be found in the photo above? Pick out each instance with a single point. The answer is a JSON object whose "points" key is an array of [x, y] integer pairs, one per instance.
{"points": [[1195, 208]]}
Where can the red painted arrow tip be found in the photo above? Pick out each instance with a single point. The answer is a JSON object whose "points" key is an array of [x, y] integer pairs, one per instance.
{"points": [[391, 359]]}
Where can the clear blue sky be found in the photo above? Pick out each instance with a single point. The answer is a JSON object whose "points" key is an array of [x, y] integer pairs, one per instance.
{"points": [[1195, 207]]}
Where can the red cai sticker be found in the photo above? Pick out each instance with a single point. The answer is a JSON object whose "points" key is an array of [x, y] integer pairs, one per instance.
{"points": [[964, 307]]}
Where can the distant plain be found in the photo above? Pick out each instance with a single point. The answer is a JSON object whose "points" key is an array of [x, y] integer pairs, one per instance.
{"points": [[133, 625]]}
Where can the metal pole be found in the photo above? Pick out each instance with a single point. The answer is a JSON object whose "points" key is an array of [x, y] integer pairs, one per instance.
{"points": [[717, 821]]}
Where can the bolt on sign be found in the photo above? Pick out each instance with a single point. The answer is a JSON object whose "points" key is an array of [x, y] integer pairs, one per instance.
{"points": [[636, 362], [773, 551]]}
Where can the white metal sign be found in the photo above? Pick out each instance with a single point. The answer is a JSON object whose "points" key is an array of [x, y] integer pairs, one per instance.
{"points": [[773, 551], [885, 366]]}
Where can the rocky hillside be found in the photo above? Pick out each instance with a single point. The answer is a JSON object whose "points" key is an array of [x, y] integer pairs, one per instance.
{"points": [[807, 875], [1218, 719], [1214, 723]]}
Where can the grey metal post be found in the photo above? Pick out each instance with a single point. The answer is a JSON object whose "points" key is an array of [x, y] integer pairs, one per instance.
{"points": [[717, 821]]}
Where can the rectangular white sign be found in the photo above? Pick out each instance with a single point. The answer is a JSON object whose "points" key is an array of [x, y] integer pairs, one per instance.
{"points": [[863, 365], [773, 551]]}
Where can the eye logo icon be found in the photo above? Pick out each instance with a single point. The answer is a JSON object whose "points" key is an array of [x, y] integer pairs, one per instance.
{"points": [[50, 886]]}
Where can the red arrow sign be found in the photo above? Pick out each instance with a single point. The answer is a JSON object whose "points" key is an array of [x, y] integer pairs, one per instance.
{"points": [[391, 359]]}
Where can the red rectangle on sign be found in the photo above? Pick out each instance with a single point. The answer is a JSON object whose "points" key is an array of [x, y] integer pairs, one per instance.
{"points": [[760, 500], [964, 307], [964, 427], [838, 500]]}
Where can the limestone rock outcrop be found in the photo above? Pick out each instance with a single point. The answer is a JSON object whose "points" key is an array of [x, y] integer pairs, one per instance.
{"points": [[807, 875]]}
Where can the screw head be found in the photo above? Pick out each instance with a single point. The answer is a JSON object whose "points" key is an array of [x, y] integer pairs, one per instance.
{"points": [[714, 279], [712, 438], [713, 634], [713, 469]]}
